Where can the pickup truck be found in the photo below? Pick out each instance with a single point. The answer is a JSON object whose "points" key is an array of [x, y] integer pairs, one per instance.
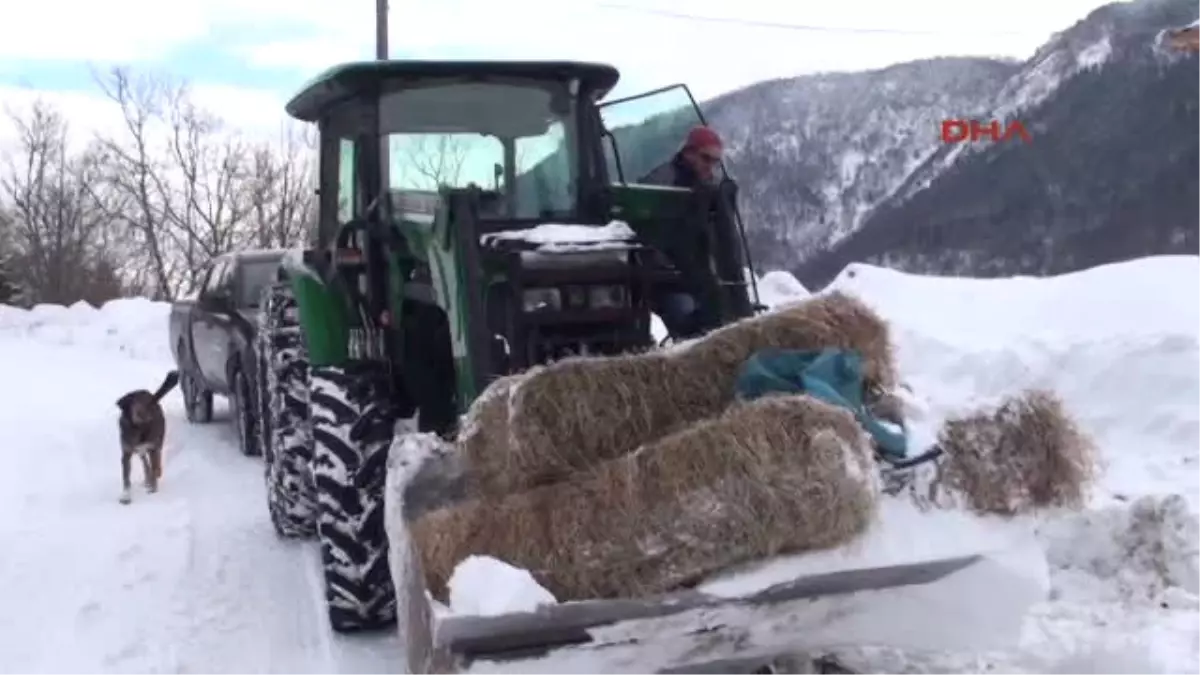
{"points": [[212, 339]]}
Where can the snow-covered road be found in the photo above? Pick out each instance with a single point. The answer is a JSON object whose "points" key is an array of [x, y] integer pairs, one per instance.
{"points": [[191, 579]]}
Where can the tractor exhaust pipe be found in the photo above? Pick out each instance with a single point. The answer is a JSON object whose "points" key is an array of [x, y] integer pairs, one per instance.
{"points": [[381, 30]]}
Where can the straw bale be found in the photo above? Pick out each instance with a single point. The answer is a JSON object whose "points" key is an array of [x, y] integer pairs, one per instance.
{"points": [[1024, 455], [778, 475], [484, 438], [581, 411]]}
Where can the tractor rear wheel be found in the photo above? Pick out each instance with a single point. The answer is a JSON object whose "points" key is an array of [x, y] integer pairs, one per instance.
{"points": [[287, 431]]}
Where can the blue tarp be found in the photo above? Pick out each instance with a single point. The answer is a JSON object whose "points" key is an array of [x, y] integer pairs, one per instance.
{"points": [[832, 375]]}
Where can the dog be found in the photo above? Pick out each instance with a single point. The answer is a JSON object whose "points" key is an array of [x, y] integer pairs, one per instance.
{"points": [[142, 428]]}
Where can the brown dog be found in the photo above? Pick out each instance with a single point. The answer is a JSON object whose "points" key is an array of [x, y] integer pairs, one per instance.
{"points": [[142, 429]]}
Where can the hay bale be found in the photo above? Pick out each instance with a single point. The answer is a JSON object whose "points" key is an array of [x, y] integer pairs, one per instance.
{"points": [[484, 438], [581, 411], [1024, 455], [778, 475]]}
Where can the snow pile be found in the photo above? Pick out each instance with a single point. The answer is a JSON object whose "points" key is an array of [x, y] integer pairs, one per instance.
{"points": [[483, 586], [1119, 344], [777, 288], [136, 327]]}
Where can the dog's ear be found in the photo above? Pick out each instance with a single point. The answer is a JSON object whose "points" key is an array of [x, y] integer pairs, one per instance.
{"points": [[124, 402]]}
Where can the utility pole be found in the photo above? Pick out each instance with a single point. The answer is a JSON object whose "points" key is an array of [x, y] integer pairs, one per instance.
{"points": [[381, 30]]}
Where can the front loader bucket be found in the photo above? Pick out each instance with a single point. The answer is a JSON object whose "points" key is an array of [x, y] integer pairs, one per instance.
{"points": [[899, 591]]}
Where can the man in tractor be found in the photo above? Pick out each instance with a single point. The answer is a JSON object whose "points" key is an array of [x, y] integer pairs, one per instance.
{"points": [[693, 165]]}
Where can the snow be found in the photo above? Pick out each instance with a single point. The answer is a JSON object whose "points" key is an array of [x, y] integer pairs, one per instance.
{"points": [[556, 236], [777, 288], [194, 579], [1095, 54], [1119, 344], [484, 586], [191, 579], [891, 541]]}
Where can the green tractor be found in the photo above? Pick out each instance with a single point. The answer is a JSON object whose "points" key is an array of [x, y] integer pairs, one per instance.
{"points": [[475, 219]]}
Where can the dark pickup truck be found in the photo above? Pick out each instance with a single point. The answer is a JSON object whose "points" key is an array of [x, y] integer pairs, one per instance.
{"points": [[212, 338]]}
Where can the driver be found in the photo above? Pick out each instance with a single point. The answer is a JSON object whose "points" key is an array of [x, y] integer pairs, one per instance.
{"points": [[694, 164]]}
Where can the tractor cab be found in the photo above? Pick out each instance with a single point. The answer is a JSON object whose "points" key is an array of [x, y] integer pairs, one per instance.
{"points": [[483, 206]]}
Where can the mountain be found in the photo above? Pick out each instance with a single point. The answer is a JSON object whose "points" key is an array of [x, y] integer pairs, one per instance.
{"points": [[812, 154], [850, 166], [1112, 171]]}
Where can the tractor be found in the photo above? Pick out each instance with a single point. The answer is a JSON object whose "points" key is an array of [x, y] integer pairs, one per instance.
{"points": [[475, 219]]}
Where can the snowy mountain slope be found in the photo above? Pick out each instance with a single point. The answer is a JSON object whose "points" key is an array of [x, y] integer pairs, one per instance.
{"points": [[191, 579], [1086, 45], [813, 153], [821, 157], [1110, 173]]}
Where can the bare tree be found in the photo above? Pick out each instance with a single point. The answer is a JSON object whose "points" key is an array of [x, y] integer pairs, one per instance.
{"points": [[146, 207], [56, 216], [438, 159], [211, 169], [135, 173], [280, 191]]}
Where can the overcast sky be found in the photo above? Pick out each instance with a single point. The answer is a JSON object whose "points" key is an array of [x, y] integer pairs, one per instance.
{"points": [[245, 57]]}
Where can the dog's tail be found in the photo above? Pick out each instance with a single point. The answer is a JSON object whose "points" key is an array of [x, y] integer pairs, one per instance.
{"points": [[167, 385]]}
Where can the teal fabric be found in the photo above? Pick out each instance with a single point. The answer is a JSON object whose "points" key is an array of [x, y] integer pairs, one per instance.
{"points": [[832, 375]]}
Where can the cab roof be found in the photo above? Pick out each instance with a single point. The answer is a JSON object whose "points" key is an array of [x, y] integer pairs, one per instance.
{"points": [[363, 77]]}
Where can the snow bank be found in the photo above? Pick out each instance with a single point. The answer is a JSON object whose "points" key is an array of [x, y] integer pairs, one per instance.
{"points": [[135, 327], [777, 288], [1120, 344]]}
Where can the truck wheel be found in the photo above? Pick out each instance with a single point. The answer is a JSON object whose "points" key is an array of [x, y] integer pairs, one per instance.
{"points": [[244, 417], [353, 427], [287, 432], [197, 402]]}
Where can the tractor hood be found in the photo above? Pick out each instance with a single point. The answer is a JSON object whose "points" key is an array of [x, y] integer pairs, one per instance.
{"points": [[550, 244]]}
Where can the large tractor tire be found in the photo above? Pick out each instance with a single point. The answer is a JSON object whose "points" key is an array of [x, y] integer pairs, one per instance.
{"points": [[286, 429], [353, 424]]}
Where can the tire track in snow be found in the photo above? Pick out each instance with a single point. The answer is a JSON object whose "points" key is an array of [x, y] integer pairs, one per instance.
{"points": [[191, 579], [247, 600]]}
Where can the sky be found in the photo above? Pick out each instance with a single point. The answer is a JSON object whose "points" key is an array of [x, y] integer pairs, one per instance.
{"points": [[244, 58]]}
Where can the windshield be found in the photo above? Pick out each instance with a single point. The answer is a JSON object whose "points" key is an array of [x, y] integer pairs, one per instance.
{"points": [[647, 130], [508, 138], [256, 275]]}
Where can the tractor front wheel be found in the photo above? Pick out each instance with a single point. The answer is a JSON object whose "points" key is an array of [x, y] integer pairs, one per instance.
{"points": [[353, 425]]}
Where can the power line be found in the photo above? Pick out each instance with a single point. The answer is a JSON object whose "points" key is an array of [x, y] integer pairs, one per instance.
{"points": [[758, 23]]}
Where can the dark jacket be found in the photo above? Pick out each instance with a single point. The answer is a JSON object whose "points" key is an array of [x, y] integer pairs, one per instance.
{"points": [[673, 173]]}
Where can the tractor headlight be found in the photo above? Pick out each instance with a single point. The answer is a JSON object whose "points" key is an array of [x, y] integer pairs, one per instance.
{"points": [[607, 297], [538, 299]]}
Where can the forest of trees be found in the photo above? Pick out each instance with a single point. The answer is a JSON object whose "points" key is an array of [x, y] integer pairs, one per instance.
{"points": [[140, 210]]}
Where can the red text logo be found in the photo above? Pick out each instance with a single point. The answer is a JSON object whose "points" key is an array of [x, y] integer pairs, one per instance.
{"points": [[958, 131]]}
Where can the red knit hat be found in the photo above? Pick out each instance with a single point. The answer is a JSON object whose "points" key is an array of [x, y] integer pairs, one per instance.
{"points": [[702, 137]]}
